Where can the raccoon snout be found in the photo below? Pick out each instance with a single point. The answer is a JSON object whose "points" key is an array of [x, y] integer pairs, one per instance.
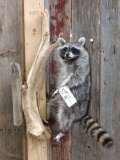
{"points": [[67, 55]]}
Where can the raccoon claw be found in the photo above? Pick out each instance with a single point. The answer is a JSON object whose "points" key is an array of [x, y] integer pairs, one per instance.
{"points": [[55, 93], [57, 139], [45, 122]]}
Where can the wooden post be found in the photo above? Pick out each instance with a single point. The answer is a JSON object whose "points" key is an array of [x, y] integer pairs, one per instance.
{"points": [[37, 150]]}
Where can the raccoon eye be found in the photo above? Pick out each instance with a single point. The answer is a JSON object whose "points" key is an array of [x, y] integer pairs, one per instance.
{"points": [[75, 50], [65, 49]]}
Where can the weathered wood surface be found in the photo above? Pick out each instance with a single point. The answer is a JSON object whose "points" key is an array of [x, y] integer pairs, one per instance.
{"points": [[116, 86], [16, 84], [10, 135], [22, 62], [37, 150], [110, 78], [59, 22], [32, 22]]}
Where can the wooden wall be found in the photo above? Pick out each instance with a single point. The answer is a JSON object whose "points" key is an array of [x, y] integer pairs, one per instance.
{"points": [[10, 50], [97, 19]]}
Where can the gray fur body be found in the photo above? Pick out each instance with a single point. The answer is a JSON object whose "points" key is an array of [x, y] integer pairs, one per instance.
{"points": [[74, 72]]}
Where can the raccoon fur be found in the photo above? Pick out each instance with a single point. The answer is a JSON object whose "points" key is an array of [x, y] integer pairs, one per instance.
{"points": [[74, 72]]}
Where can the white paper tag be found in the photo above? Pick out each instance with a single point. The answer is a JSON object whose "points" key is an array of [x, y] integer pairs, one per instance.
{"points": [[67, 96]]}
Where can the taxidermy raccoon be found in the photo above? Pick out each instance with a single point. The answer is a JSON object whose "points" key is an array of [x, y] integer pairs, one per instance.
{"points": [[74, 72]]}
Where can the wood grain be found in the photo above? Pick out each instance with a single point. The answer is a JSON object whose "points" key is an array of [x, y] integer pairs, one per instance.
{"points": [[10, 136], [109, 69], [37, 150], [22, 64], [116, 88], [16, 84], [32, 23]]}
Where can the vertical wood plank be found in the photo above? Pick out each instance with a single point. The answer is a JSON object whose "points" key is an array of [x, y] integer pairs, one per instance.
{"points": [[32, 23], [60, 17], [22, 64], [85, 22], [10, 136], [116, 86], [37, 150], [109, 69]]}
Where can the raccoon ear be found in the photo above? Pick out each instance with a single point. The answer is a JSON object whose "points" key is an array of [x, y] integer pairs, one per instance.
{"points": [[61, 41], [81, 41]]}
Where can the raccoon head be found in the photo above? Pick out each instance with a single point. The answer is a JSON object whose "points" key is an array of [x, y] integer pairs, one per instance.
{"points": [[70, 51]]}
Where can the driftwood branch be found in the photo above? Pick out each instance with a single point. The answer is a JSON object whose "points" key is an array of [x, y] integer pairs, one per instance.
{"points": [[33, 120], [34, 85]]}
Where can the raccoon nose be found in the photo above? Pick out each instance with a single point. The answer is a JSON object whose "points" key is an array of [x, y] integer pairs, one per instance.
{"points": [[67, 55]]}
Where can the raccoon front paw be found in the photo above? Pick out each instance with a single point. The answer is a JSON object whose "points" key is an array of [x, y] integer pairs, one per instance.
{"points": [[58, 137], [55, 93]]}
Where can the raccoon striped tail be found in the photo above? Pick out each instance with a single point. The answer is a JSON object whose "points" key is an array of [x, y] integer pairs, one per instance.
{"points": [[95, 130]]}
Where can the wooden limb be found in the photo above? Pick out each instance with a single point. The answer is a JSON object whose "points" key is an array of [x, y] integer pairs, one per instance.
{"points": [[16, 83], [34, 123], [33, 120], [38, 66], [34, 85], [44, 42]]}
